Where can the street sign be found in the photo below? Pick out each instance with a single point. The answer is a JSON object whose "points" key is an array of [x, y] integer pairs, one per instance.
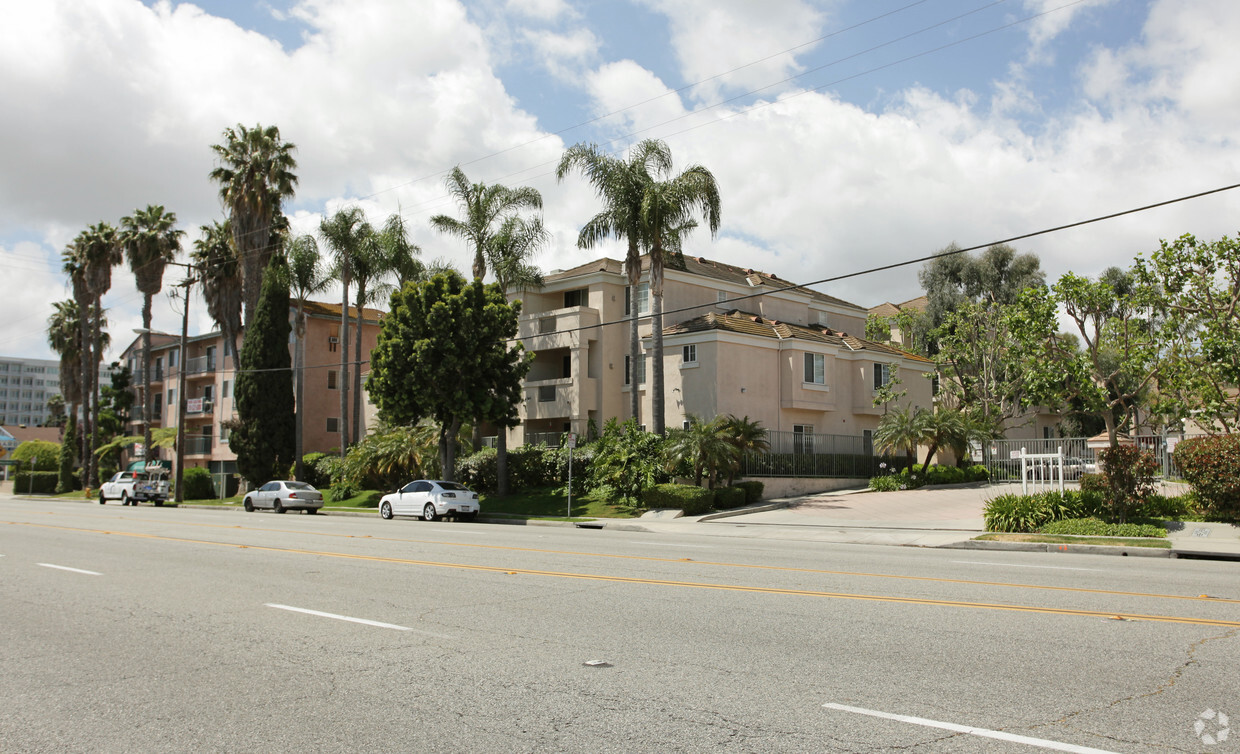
{"points": [[9, 463], [572, 439]]}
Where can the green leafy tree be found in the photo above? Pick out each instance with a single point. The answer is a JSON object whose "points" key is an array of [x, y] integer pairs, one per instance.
{"points": [[915, 328], [979, 365], [997, 276], [444, 353], [151, 240], [706, 446], [64, 335], [37, 455], [945, 427], [75, 267], [97, 250], [1199, 324], [1119, 358], [115, 405], [621, 185], [255, 174], [264, 438], [55, 411], [627, 461]]}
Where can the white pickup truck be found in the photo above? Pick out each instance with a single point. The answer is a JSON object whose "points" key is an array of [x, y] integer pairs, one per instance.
{"points": [[132, 486]]}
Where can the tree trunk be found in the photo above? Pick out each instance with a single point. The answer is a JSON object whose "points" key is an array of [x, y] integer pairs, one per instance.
{"points": [[357, 365], [656, 329], [97, 360], [447, 449], [343, 382], [148, 407], [85, 359], [501, 462], [635, 276]]}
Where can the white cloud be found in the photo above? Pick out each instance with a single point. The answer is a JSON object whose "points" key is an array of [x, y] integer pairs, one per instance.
{"points": [[543, 10], [564, 55]]}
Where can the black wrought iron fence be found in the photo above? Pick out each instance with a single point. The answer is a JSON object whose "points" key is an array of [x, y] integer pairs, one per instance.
{"points": [[803, 454]]}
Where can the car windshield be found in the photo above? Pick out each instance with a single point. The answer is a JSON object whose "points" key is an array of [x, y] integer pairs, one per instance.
{"points": [[453, 486], [298, 486]]}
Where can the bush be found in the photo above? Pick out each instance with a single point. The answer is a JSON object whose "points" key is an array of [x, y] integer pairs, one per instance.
{"points": [[1212, 466], [937, 474], [477, 471], [628, 461], [1097, 528], [27, 482], [694, 501], [198, 484], [341, 491], [44, 455], [314, 475], [753, 490], [727, 498], [1093, 483], [889, 483], [977, 473], [1174, 508], [1129, 475], [1028, 513]]}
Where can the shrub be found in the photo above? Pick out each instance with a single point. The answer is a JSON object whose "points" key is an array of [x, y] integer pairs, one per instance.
{"points": [[583, 457], [729, 497], [312, 474], [628, 460], [1129, 475], [694, 501], [937, 474], [197, 484], [477, 471], [340, 491], [1027, 513], [889, 483], [43, 455], [1093, 483], [753, 490], [1097, 528], [977, 473], [1212, 466], [26, 482], [1174, 508]]}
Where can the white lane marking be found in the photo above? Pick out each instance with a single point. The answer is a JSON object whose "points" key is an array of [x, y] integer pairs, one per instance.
{"points": [[363, 621], [1019, 565], [970, 730], [67, 568]]}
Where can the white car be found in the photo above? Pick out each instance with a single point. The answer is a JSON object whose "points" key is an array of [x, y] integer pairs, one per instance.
{"points": [[281, 496], [431, 499], [132, 486]]}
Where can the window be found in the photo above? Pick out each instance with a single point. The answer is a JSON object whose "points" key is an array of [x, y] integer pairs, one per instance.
{"points": [[546, 325], [684, 424], [934, 384], [816, 368], [566, 366], [333, 424], [224, 433], [172, 397], [579, 297], [882, 375], [210, 358], [546, 393], [332, 379], [721, 296], [643, 299], [227, 387], [641, 370], [688, 354], [172, 358]]}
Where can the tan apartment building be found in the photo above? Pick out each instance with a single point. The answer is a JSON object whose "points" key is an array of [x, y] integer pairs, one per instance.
{"points": [[736, 341], [210, 377]]}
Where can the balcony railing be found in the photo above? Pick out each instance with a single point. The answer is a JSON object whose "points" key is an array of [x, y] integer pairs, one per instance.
{"points": [[198, 446], [200, 365], [196, 406]]}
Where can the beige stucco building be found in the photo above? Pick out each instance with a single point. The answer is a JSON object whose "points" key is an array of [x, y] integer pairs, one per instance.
{"points": [[210, 376], [736, 341]]}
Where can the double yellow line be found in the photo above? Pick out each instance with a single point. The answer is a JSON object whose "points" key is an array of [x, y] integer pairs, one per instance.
{"points": [[686, 584]]}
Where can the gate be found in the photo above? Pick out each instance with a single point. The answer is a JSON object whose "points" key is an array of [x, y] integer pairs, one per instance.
{"points": [[1002, 457]]}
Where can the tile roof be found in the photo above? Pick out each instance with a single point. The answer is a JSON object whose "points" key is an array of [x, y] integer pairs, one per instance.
{"points": [[706, 268], [318, 308], [22, 434], [888, 309], [753, 324]]}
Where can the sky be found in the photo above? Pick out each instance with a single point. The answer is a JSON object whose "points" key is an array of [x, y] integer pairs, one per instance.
{"points": [[844, 134]]}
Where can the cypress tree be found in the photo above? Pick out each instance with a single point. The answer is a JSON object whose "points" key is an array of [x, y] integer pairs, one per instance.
{"points": [[68, 455], [264, 438]]}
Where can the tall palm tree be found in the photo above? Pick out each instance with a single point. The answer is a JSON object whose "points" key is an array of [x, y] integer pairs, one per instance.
{"points": [[220, 272], [100, 251], [307, 276], [484, 208], [255, 174], [374, 260], [621, 184], [509, 253], [344, 233], [667, 212], [64, 335], [151, 240], [401, 253], [75, 267]]}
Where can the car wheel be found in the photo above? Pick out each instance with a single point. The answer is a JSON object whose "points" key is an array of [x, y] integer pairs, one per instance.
{"points": [[124, 498], [249, 505], [102, 499], [428, 513], [385, 510], [311, 511], [277, 507]]}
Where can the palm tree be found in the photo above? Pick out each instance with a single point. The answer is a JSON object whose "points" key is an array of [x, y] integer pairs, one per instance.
{"points": [[666, 215], [220, 271], [945, 427], [621, 184], [706, 445], [344, 233], [375, 258], [151, 240], [64, 335], [307, 276], [901, 428], [400, 253], [75, 268], [100, 251], [508, 253], [483, 207], [746, 436], [255, 176]]}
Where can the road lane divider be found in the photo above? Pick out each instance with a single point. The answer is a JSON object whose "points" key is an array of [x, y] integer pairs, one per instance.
{"points": [[998, 735], [507, 570], [333, 616], [67, 568]]}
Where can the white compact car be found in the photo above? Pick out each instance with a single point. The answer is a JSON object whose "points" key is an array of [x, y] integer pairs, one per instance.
{"points": [[281, 496], [431, 499]]}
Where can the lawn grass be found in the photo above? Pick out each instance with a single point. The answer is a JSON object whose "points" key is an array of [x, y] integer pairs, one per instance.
{"points": [[551, 502], [1056, 539]]}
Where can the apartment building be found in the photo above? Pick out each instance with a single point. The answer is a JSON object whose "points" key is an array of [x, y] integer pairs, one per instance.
{"points": [[210, 376], [736, 341], [25, 387]]}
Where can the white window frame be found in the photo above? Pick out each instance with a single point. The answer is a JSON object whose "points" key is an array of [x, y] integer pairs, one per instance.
{"points": [[641, 369], [688, 354], [815, 372], [643, 299], [882, 375]]}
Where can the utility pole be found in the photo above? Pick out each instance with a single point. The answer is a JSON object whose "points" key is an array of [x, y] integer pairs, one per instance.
{"points": [[181, 402]]}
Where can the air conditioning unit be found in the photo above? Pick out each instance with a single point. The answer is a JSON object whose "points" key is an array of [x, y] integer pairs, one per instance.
{"points": [[332, 339], [207, 404]]}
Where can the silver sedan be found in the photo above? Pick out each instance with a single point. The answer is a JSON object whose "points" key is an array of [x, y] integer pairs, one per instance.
{"points": [[431, 499], [281, 496]]}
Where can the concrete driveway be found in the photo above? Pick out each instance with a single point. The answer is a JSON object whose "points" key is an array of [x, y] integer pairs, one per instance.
{"points": [[941, 508]]}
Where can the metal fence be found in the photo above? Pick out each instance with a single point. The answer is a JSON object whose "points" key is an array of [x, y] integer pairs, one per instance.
{"points": [[802, 454], [1002, 457]]}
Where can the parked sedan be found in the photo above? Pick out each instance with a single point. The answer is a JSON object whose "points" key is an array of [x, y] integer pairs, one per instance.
{"points": [[431, 499], [281, 496]]}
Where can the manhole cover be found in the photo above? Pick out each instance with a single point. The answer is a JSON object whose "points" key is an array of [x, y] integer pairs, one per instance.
{"points": [[1201, 532]]}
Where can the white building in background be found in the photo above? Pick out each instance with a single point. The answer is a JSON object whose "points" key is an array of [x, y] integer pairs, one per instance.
{"points": [[26, 385]]}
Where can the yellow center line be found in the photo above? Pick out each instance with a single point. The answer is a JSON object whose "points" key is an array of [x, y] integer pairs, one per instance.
{"points": [[673, 583], [725, 564]]}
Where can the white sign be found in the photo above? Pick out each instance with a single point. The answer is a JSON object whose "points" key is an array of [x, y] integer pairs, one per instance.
{"points": [[572, 439], [1014, 454], [193, 406]]}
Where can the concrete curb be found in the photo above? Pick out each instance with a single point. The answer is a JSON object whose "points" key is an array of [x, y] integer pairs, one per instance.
{"points": [[772, 506], [1139, 552]]}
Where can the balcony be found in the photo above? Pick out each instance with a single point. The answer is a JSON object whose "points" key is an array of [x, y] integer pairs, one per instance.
{"points": [[199, 406], [198, 446], [557, 328], [549, 399], [202, 366]]}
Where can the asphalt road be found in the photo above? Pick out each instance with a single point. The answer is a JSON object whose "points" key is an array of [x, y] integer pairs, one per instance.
{"points": [[195, 630]]}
